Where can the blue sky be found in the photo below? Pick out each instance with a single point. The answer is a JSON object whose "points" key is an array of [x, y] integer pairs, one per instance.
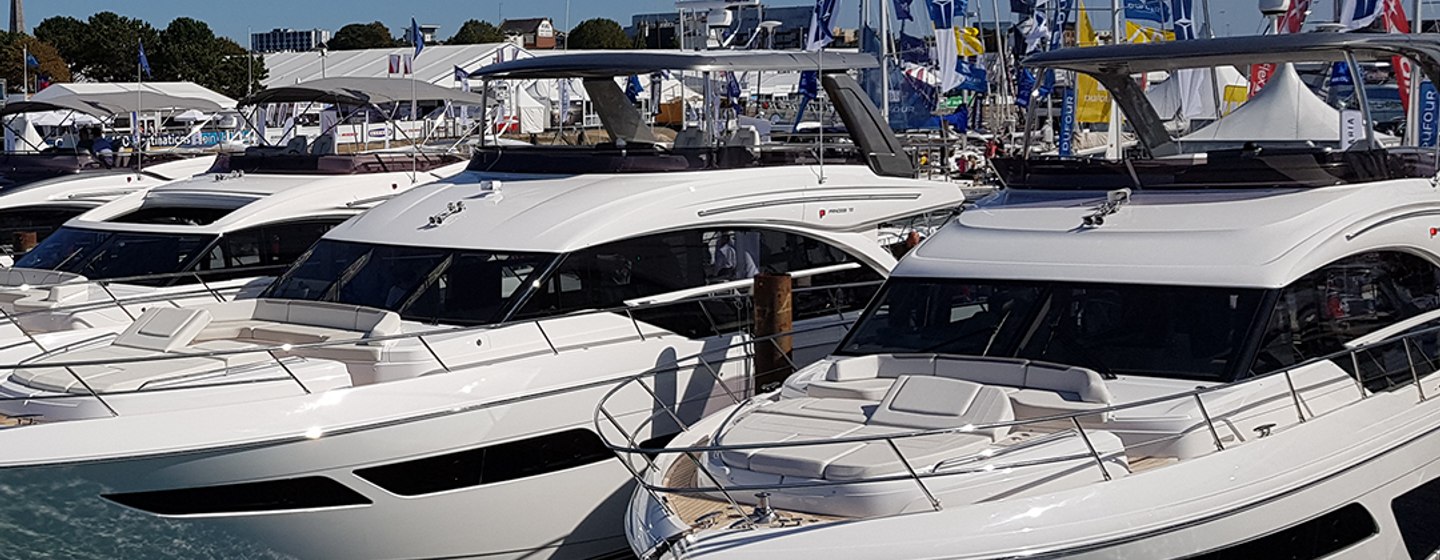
{"points": [[233, 19]]}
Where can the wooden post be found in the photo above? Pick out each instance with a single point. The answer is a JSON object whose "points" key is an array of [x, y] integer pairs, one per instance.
{"points": [[772, 316]]}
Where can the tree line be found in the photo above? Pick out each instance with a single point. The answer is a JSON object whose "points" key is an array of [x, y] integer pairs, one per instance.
{"points": [[598, 33], [106, 48]]}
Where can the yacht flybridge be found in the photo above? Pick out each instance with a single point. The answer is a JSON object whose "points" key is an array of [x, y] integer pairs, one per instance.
{"points": [[42, 186], [420, 383], [1219, 351], [249, 215]]}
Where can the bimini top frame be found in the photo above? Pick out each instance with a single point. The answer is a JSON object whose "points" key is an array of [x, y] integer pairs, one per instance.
{"points": [[362, 92], [610, 64], [1112, 65]]}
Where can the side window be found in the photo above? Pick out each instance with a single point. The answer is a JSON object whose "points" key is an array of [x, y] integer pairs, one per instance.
{"points": [[608, 275], [1318, 313], [274, 245], [489, 465], [1415, 515], [1316, 538]]}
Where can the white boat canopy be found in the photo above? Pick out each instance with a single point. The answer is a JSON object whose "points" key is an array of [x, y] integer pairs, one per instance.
{"points": [[1285, 110], [107, 99], [362, 92], [1187, 94]]}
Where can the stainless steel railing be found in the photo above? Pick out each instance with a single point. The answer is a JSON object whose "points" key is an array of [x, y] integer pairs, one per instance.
{"points": [[642, 462], [277, 352]]}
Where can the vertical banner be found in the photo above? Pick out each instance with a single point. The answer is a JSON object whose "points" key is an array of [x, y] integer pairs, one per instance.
{"points": [[1429, 114], [1067, 123]]}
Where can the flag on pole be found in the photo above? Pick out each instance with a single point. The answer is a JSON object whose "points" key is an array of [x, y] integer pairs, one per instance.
{"points": [[31, 61], [1359, 13], [902, 10], [1184, 23], [564, 101], [633, 89], [463, 78], [144, 62], [395, 64], [947, 53], [809, 89], [416, 37], [821, 34]]}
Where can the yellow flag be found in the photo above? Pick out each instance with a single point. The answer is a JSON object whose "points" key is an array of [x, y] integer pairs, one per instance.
{"points": [[1092, 102], [968, 43], [1136, 33], [1234, 97], [1086, 33]]}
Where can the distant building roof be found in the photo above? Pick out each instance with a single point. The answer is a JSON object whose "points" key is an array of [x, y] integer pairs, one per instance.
{"points": [[436, 64], [530, 25]]}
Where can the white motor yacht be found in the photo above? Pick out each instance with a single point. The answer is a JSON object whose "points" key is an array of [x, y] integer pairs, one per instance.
{"points": [[42, 186], [248, 216], [475, 323], [1219, 351]]}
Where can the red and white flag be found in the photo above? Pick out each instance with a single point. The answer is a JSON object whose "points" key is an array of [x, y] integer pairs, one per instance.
{"points": [[1291, 22], [400, 63]]}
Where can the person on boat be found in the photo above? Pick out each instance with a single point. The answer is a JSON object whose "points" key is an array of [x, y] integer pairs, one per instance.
{"points": [[86, 141], [102, 147]]}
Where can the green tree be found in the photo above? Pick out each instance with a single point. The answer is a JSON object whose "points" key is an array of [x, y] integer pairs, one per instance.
{"points": [[373, 35], [239, 73], [66, 33], [598, 33], [12, 49], [476, 32]]}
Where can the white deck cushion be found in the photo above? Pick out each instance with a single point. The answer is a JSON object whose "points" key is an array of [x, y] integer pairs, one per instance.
{"points": [[928, 402], [878, 365], [988, 372], [1073, 383], [164, 329], [864, 389], [878, 458]]}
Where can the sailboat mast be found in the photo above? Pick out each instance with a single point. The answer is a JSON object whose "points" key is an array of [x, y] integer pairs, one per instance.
{"points": [[885, 59]]}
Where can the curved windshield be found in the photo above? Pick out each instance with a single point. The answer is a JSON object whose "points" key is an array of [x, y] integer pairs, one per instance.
{"points": [[1166, 331], [100, 254], [424, 284]]}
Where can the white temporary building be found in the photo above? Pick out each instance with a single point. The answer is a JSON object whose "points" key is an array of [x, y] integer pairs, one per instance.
{"points": [[1285, 110], [1188, 94], [435, 65]]}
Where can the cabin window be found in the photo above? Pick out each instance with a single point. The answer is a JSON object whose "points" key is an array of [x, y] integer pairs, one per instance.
{"points": [[43, 221], [608, 275], [100, 255], [1316, 538], [271, 495], [1182, 332], [488, 465], [174, 216], [427, 284], [1417, 514], [1315, 315], [274, 246]]}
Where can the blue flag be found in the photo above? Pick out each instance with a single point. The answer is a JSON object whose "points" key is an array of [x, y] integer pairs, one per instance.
{"points": [[31, 61], [633, 89], [1067, 124], [809, 88], [1429, 112], [914, 50], [1183, 12], [732, 86], [902, 10], [416, 37], [973, 75], [942, 13], [1146, 10], [960, 119], [821, 35], [144, 62], [1340, 75]]}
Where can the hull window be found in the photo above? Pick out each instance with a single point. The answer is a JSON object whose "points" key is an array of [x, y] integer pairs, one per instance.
{"points": [[272, 495], [1417, 513], [1316, 538], [488, 465]]}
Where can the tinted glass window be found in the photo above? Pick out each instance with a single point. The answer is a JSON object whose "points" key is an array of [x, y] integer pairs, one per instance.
{"points": [[1417, 514], [272, 495], [419, 283], [1171, 331], [608, 275], [488, 465], [42, 221], [1315, 315], [103, 254], [1316, 538], [175, 216], [275, 245]]}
